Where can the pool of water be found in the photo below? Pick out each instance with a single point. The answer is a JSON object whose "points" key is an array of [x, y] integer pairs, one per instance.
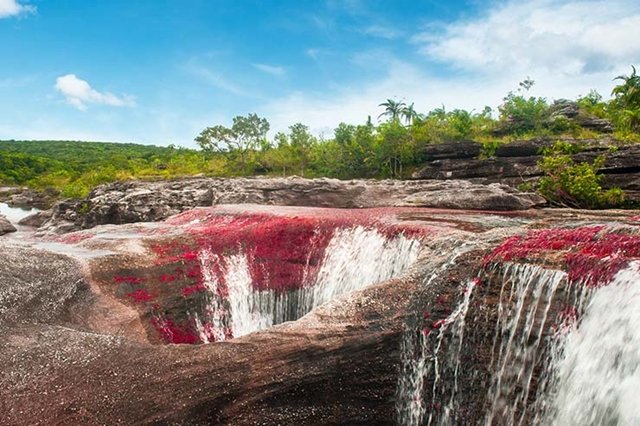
{"points": [[14, 214]]}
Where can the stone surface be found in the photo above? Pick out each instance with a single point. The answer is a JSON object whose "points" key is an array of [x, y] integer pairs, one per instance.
{"points": [[515, 163], [74, 350], [137, 201], [6, 226], [27, 197], [37, 219]]}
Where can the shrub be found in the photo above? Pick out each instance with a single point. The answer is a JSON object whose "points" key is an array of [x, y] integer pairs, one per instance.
{"points": [[572, 184]]}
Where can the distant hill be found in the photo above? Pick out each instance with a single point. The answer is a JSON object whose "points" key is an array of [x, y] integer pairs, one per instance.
{"points": [[74, 167]]}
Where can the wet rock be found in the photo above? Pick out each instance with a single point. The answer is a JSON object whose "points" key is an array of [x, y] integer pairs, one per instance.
{"points": [[75, 350], [37, 219], [6, 226]]}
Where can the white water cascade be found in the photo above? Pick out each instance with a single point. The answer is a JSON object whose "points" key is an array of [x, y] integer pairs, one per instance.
{"points": [[597, 376], [525, 299], [354, 258], [561, 354], [417, 363]]}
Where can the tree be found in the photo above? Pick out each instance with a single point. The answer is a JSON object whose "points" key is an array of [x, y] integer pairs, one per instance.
{"points": [[240, 141], [409, 114], [394, 148], [567, 183], [302, 143], [626, 100], [519, 114], [393, 109], [281, 156]]}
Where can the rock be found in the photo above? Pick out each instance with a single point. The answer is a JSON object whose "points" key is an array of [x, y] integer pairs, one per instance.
{"points": [[37, 219], [28, 198], [569, 110], [77, 348], [6, 226], [516, 162], [564, 108], [493, 169], [450, 150], [137, 201], [465, 195]]}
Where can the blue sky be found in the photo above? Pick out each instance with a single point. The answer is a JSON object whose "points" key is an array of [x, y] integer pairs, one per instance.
{"points": [[159, 71]]}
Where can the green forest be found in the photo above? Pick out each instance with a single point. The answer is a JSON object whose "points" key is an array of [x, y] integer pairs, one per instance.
{"points": [[388, 146]]}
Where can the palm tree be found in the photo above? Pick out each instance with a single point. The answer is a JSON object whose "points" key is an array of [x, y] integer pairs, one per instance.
{"points": [[393, 109], [627, 99], [629, 91], [409, 114]]}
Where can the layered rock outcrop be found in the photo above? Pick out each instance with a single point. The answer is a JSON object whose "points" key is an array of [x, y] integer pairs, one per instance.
{"points": [[515, 163]]}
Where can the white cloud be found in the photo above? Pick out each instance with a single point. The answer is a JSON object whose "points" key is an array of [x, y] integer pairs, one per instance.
{"points": [[13, 8], [567, 48], [564, 37], [79, 93], [270, 69]]}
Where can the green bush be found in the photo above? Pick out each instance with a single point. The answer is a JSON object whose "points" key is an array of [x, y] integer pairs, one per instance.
{"points": [[572, 184]]}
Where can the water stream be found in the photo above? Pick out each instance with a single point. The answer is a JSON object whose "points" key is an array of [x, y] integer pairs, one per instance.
{"points": [[596, 377], [15, 214]]}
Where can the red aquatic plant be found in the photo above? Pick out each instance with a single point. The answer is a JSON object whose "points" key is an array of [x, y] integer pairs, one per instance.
{"points": [[130, 279], [591, 254], [174, 333], [140, 296]]}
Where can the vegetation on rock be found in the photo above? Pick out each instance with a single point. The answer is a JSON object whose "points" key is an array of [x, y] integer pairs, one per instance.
{"points": [[574, 184]]}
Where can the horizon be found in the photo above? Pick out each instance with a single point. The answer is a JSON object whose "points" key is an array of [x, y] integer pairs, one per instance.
{"points": [[137, 73]]}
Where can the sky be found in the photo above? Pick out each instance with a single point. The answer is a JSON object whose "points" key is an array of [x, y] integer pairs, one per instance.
{"points": [[160, 71]]}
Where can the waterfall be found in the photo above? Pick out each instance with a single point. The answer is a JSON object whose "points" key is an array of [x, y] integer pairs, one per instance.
{"points": [[597, 376], [417, 363], [429, 391], [557, 352], [353, 259], [525, 299], [358, 257]]}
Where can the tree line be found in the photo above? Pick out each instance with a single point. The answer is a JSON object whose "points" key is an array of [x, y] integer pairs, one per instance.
{"points": [[391, 147], [394, 146]]}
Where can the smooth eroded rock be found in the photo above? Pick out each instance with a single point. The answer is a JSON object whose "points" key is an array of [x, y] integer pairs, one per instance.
{"points": [[6, 226], [138, 201]]}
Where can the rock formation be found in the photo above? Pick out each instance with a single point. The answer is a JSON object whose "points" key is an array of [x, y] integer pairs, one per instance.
{"points": [[515, 163], [140, 201], [89, 337], [6, 226]]}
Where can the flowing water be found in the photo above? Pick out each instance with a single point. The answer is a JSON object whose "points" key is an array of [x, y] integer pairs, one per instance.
{"points": [[597, 375], [354, 258], [417, 363], [15, 214], [561, 353]]}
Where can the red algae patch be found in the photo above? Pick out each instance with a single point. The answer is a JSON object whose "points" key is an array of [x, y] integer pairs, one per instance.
{"points": [[591, 254], [185, 289]]}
